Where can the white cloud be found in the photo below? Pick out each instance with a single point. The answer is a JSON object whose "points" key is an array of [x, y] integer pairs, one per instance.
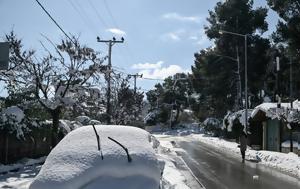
{"points": [[199, 37], [174, 35], [116, 31], [147, 66], [156, 71], [193, 37], [176, 16]]}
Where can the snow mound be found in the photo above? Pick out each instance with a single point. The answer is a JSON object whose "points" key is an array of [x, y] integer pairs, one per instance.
{"points": [[76, 162], [84, 120], [286, 144]]}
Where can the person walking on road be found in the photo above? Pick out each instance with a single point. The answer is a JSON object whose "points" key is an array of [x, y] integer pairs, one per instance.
{"points": [[243, 145]]}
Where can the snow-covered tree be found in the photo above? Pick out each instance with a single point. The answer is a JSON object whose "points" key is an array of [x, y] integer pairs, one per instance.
{"points": [[53, 78], [128, 104], [91, 103], [173, 95]]}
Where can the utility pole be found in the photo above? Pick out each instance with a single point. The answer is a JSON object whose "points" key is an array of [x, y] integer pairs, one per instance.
{"points": [[277, 95], [291, 99], [135, 76], [110, 43], [291, 81], [239, 85]]}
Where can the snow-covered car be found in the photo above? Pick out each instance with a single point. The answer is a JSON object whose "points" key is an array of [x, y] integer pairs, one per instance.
{"points": [[123, 157]]}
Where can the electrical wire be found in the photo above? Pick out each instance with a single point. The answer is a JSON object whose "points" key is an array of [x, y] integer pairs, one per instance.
{"points": [[147, 78], [128, 49], [97, 13], [85, 18], [110, 13], [54, 21]]}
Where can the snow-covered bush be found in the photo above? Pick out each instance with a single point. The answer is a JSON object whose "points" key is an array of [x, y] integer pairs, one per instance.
{"points": [[94, 122], [212, 125], [66, 126], [84, 120], [12, 120]]}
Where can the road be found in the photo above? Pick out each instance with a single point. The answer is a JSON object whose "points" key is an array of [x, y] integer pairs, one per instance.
{"points": [[217, 169]]}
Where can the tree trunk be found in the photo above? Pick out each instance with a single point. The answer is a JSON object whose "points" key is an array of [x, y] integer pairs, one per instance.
{"points": [[55, 123]]}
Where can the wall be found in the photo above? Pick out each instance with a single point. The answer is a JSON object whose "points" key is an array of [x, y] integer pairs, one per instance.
{"points": [[36, 143]]}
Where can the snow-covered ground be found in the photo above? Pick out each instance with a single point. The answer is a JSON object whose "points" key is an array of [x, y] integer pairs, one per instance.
{"points": [[20, 175], [176, 174]]}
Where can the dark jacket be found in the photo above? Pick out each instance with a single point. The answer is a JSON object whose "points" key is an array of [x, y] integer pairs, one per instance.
{"points": [[243, 142]]}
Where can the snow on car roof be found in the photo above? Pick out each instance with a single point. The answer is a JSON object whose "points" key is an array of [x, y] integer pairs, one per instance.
{"points": [[76, 162]]}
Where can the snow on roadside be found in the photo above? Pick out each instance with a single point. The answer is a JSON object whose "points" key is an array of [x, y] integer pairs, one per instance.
{"points": [[172, 177], [22, 163], [21, 174], [289, 163]]}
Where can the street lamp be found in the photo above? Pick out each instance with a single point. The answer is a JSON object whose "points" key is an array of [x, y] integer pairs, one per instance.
{"points": [[246, 82]]}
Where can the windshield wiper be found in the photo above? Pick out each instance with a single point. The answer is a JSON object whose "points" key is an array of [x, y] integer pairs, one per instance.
{"points": [[126, 150], [98, 142]]}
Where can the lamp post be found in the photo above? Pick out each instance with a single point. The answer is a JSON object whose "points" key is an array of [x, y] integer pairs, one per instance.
{"points": [[246, 82]]}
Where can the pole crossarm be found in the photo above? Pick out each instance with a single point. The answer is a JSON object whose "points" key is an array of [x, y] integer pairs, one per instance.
{"points": [[135, 76], [232, 33], [228, 57], [110, 43]]}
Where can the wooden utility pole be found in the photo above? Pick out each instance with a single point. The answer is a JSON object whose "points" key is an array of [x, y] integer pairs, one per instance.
{"points": [[135, 76], [110, 43]]}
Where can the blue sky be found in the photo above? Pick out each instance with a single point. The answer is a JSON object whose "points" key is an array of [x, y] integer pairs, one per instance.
{"points": [[161, 36]]}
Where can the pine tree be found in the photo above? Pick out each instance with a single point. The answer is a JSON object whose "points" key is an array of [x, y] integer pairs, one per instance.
{"points": [[216, 69]]}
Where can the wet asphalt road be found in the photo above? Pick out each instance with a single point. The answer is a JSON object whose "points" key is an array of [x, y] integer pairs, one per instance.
{"points": [[217, 169]]}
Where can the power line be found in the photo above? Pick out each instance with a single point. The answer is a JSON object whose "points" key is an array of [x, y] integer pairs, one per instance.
{"points": [[97, 13], [110, 13], [128, 49], [54, 21], [147, 78], [85, 18]]}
